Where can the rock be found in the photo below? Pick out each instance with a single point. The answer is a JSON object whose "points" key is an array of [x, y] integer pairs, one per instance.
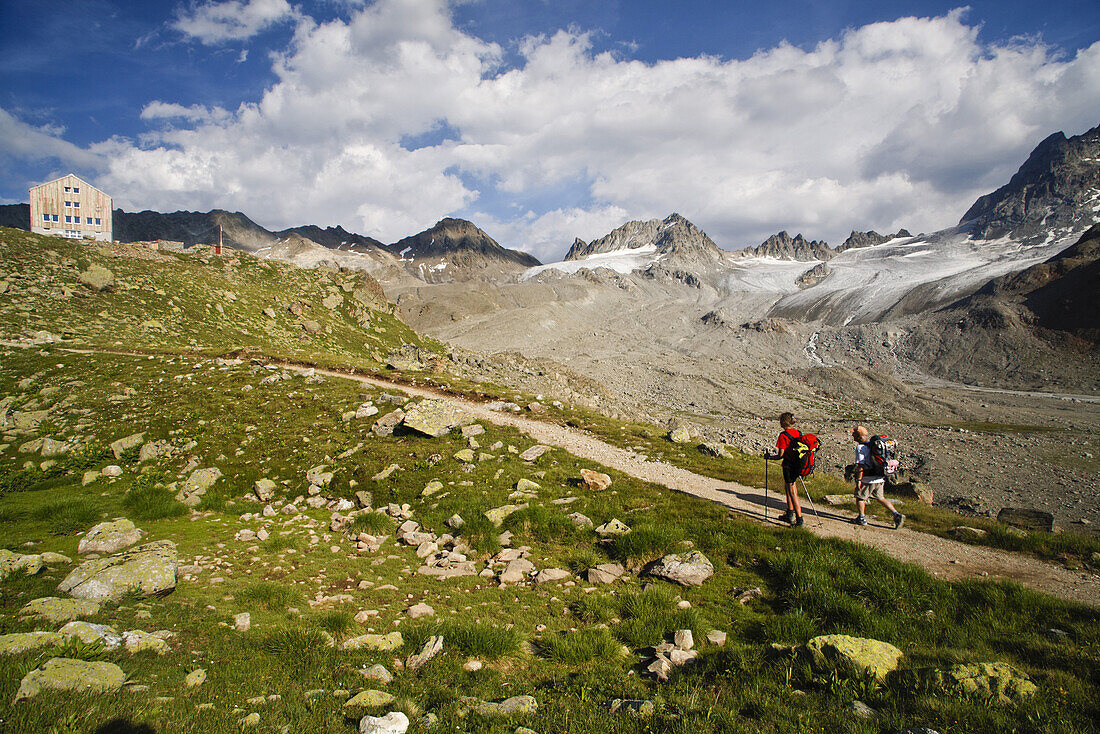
{"points": [[385, 473], [394, 722], [516, 571], [89, 633], [378, 643], [417, 611], [365, 411], [860, 653], [680, 434], [56, 610], [245, 536], [455, 521], [716, 637], [196, 485], [716, 450], [605, 573], [98, 278], [53, 559], [497, 514], [431, 488], [1025, 519], [109, 537], [64, 674], [378, 673], [11, 562], [549, 575], [581, 521], [514, 706], [634, 707], [612, 527], [465, 455], [269, 312], [534, 452], [526, 485], [89, 477], [264, 489], [332, 300], [124, 444], [195, 678], [310, 326], [594, 480], [690, 569], [861, 710], [964, 532], [996, 680], [252, 719], [139, 641], [150, 568], [435, 418], [918, 730], [242, 622], [112, 470], [683, 639], [661, 667], [385, 425], [369, 699], [18, 643], [429, 650], [472, 666], [318, 476]]}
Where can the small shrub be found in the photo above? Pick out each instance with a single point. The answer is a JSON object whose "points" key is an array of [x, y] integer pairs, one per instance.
{"points": [[152, 503], [270, 596], [581, 646], [651, 615], [371, 523], [89, 457], [67, 516], [584, 559], [471, 638], [77, 649], [481, 534], [645, 543], [540, 523], [277, 543], [213, 501], [302, 650], [337, 623], [596, 608]]}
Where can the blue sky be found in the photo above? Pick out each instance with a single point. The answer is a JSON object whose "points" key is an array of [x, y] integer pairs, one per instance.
{"points": [[544, 120]]}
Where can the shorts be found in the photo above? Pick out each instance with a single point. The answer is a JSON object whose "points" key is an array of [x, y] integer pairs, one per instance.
{"points": [[790, 473], [867, 490]]}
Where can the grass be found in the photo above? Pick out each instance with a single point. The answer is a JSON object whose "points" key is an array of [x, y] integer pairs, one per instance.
{"points": [[66, 517], [651, 615], [145, 503], [371, 523], [470, 638], [573, 648], [270, 596], [338, 623], [645, 543], [540, 524]]}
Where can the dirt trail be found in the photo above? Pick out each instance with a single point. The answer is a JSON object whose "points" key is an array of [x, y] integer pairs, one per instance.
{"points": [[943, 558]]}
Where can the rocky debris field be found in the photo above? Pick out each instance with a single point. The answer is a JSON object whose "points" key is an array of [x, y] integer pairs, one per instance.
{"points": [[338, 556]]}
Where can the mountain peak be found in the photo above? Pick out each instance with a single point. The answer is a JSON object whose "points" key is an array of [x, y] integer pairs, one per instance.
{"points": [[457, 249], [673, 236], [784, 247], [1050, 191]]}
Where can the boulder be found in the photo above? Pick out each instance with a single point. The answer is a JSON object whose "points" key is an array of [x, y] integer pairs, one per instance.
{"points": [[394, 722], [378, 643], [97, 278], [516, 571], [427, 651], [384, 426], [124, 444], [526, 485], [52, 609], [435, 418], [18, 643], [716, 450], [1018, 517], [634, 707], [195, 678], [581, 521], [140, 641], [534, 452], [612, 527], [416, 611], [64, 674], [680, 434], [264, 489], [594, 480], [965, 532], [196, 485], [378, 673], [497, 514], [369, 698], [149, 568], [989, 680], [109, 537], [89, 633], [465, 455], [690, 569], [11, 562], [605, 573], [859, 653], [549, 575], [514, 706]]}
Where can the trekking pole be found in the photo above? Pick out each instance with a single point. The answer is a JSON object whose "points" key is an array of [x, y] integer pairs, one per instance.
{"points": [[765, 487], [811, 499]]}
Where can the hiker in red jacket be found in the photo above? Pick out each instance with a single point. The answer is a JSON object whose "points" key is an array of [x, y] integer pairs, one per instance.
{"points": [[793, 515]]}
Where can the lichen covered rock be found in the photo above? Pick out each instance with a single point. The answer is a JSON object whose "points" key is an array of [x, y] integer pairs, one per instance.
{"points": [[149, 568], [64, 674], [859, 653]]}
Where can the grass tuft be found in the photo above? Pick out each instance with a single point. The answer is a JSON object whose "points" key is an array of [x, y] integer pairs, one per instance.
{"points": [[67, 516], [152, 503], [645, 543], [270, 595], [471, 638], [582, 646], [371, 523]]}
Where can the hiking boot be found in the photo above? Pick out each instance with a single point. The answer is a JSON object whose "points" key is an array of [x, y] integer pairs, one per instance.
{"points": [[787, 517], [860, 520], [898, 520], [799, 522]]}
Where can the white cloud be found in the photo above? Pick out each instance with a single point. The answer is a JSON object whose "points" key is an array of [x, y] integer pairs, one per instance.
{"points": [[232, 20], [21, 141], [893, 124]]}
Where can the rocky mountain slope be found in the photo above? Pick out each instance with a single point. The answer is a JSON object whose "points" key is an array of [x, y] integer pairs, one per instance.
{"points": [[457, 250], [783, 247], [673, 239], [1058, 187], [335, 238]]}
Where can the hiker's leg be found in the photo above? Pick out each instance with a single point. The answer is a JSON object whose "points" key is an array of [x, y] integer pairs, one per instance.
{"points": [[887, 504], [792, 499]]}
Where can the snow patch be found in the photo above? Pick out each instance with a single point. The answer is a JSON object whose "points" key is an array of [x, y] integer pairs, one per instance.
{"points": [[619, 260]]}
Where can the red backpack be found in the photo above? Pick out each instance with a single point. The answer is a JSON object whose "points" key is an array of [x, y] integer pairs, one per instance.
{"points": [[801, 454]]}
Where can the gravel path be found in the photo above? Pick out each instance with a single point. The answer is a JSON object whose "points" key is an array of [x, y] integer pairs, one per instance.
{"points": [[943, 558]]}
